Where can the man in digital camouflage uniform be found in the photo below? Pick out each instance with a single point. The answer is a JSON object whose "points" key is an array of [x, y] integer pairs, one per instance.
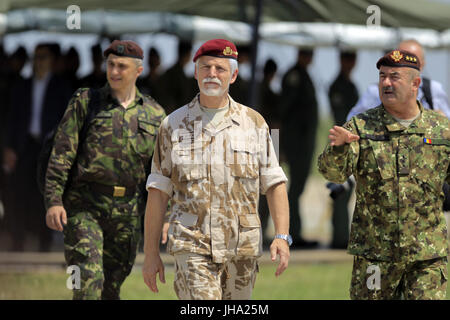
{"points": [[212, 158], [398, 153], [101, 229]]}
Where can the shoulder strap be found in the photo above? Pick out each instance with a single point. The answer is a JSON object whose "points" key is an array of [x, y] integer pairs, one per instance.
{"points": [[426, 87], [92, 110]]}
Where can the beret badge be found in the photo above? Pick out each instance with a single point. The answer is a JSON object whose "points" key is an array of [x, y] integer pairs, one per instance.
{"points": [[396, 56], [120, 49], [229, 52]]}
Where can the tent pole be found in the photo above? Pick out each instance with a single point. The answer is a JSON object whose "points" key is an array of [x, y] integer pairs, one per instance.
{"points": [[254, 52]]}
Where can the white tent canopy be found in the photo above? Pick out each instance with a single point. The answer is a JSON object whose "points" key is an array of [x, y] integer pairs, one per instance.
{"points": [[348, 35], [113, 22]]}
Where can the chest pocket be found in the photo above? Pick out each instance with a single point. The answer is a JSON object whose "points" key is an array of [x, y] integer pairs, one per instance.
{"points": [[377, 156], [146, 136], [243, 160], [102, 122], [431, 159], [188, 161], [384, 157], [100, 130]]}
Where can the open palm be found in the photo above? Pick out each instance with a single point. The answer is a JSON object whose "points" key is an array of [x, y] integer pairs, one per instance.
{"points": [[339, 136]]}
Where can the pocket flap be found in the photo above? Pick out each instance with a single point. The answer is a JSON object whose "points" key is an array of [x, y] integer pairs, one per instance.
{"points": [[385, 157], [188, 171], [187, 154], [249, 221], [103, 114], [147, 126], [243, 146]]}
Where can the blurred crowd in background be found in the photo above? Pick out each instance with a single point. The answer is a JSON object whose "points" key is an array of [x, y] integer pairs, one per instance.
{"points": [[32, 107]]}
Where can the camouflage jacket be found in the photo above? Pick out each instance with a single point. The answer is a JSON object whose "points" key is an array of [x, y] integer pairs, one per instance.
{"points": [[399, 176], [118, 146], [213, 176]]}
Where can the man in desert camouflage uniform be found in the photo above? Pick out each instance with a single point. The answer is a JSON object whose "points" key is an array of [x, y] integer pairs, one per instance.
{"points": [[399, 154], [102, 223], [212, 158]]}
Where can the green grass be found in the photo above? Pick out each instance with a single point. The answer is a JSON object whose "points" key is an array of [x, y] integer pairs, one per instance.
{"points": [[304, 281], [299, 281], [325, 281]]}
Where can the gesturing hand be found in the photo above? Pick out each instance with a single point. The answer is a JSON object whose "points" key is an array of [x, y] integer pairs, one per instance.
{"points": [[339, 136]]}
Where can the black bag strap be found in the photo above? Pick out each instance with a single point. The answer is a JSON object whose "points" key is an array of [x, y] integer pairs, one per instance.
{"points": [[426, 87], [49, 140], [92, 110]]}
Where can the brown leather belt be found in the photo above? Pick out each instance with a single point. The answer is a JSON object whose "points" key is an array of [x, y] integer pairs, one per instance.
{"points": [[115, 191]]}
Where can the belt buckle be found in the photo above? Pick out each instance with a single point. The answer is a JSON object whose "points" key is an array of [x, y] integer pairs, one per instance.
{"points": [[119, 191]]}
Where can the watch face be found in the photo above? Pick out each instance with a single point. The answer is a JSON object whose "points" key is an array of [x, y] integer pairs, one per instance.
{"points": [[287, 237]]}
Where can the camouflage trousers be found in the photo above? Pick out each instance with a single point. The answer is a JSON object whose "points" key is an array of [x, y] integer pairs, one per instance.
{"points": [[198, 278], [383, 280], [101, 238]]}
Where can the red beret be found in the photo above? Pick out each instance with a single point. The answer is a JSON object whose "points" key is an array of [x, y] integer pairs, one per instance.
{"points": [[217, 48], [399, 58], [124, 48]]}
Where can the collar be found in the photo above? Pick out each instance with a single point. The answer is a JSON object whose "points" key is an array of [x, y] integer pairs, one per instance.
{"points": [[392, 125], [195, 113], [107, 97]]}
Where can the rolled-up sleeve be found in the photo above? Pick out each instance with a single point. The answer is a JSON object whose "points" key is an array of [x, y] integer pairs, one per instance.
{"points": [[270, 171], [160, 182], [160, 176], [271, 177]]}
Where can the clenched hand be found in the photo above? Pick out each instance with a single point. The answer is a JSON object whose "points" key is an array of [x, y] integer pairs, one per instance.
{"points": [[56, 217]]}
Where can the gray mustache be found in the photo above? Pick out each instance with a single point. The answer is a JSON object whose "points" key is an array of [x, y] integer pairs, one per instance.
{"points": [[215, 80]]}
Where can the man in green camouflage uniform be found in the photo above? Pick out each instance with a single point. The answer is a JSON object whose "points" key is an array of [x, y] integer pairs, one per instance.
{"points": [[398, 153], [212, 158], [102, 223]]}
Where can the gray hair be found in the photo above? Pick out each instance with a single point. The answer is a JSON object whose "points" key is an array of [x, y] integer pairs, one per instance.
{"points": [[414, 73], [233, 65], [138, 62]]}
